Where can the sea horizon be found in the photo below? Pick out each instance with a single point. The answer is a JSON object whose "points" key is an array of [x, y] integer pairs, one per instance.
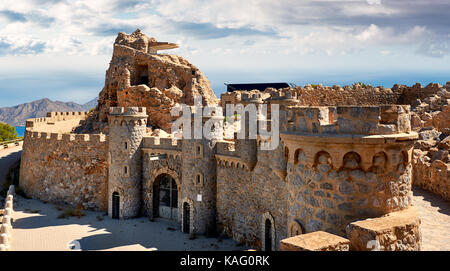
{"points": [[20, 130]]}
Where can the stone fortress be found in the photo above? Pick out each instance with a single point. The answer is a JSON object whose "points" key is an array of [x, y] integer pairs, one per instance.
{"points": [[344, 167]]}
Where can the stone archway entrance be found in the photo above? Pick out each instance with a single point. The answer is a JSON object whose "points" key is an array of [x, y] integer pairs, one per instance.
{"points": [[165, 197]]}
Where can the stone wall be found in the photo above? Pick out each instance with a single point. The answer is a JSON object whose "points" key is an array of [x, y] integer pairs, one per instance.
{"points": [[358, 95], [397, 231], [69, 168], [56, 122], [336, 95], [246, 196], [433, 175]]}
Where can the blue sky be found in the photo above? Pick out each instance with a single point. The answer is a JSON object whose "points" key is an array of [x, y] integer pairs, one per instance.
{"points": [[60, 49]]}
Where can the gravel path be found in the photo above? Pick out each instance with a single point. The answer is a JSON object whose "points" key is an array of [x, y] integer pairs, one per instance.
{"points": [[434, 212]]}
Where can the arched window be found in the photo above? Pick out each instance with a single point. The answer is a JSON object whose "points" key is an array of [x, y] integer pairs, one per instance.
{"points": [[198, 179], [126, 145], [198, 151], [126, 171]]}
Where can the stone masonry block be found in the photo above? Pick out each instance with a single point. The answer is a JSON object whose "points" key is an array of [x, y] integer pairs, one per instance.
{"points": [[315, 241], [397, 231]]}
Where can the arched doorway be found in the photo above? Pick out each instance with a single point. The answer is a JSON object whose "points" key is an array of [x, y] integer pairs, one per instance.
{"points": [[115, 205], [186, 218], [165, 197], [268, 235]]}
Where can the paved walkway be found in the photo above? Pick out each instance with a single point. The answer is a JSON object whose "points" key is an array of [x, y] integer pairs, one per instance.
{"points": [[434, 212]]}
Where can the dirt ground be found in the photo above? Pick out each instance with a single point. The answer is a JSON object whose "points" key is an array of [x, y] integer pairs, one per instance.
{"points": [[434, 212], [37, 227]]}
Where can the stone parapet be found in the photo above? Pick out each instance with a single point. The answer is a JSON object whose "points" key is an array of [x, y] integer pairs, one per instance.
{"points": [[352, 120], [53, 117], [127, 111], [153, 142], [95, 138], [315, 241], [397, 231], [226, 148]]}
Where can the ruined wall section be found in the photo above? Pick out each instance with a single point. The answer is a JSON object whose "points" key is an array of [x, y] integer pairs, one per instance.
{"points": [[336, 95], [155, 81], [318, 95], [69, 168]]}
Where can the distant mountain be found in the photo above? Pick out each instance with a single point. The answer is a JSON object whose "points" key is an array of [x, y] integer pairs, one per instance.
{"points": [[91, 104], [17, 115]]}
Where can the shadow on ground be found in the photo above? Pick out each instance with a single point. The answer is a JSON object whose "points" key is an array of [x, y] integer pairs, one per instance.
{"points": [[96, 231], [10, 157], [433, 199]]}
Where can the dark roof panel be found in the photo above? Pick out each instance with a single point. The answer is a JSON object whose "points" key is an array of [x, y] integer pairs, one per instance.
{"points": [[258, 86]]}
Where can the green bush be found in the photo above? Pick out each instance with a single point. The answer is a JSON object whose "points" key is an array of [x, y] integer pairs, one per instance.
{"points": [[7, 132], [361, 84]]}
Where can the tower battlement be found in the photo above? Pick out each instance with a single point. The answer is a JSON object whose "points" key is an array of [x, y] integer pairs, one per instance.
{"points": [[127, 111], [354, 120], [161, 143]]}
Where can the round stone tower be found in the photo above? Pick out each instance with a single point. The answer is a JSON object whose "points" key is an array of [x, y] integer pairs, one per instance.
{"points": [[127, 127]]}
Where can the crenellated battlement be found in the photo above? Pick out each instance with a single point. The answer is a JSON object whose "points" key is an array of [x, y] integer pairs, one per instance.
{"points": [[161, 143], [94, 138], [128, 111], [353, 120], [53, 117], [66, 114], [280, 95]]}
